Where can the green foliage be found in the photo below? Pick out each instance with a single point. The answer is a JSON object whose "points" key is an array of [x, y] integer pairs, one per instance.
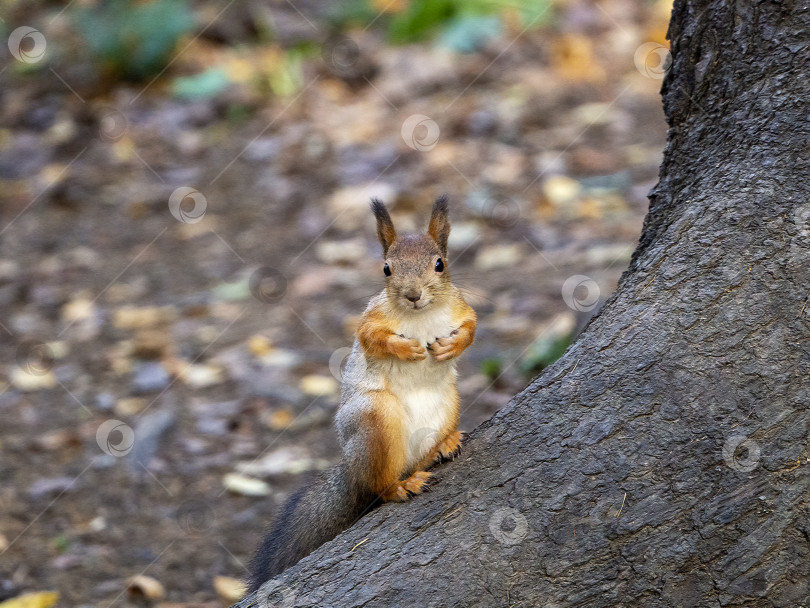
{"points": [[237, 113], [287, 77], [60, 544], [468, 33], [491, 368], [232, 292], [535, 13], [201, 86], [421, 18], [463, 25], [543, 352], [134, 39], [343, 15]]}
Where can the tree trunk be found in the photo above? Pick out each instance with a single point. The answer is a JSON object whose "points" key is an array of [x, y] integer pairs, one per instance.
{"points": [[663, 460]]}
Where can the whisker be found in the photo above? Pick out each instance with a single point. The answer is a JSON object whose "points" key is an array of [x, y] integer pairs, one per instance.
{"points": [[477, 295], [362, 298]]}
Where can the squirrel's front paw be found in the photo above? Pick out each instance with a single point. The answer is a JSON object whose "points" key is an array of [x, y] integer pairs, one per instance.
{"points": [[444, 349], [406, 349]]}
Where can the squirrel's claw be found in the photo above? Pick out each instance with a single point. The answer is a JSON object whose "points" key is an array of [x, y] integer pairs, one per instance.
{"points": [[444, 349], [451, 446], [406, 349], [408, 488]]}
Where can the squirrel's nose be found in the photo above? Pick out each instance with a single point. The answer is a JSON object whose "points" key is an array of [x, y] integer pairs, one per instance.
{"points": [[413, 295]]}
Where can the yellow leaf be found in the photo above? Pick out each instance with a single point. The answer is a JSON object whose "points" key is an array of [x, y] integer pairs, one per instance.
{"points": [[389, 6], [53, 174], [280, 419], [39, 599], [124, 149], [574, 58], [316, 385], [259, 345], [240, 69], [230, 590]]}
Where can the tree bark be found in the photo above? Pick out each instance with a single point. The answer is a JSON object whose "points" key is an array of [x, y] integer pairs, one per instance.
{"points": [[663, 460]]}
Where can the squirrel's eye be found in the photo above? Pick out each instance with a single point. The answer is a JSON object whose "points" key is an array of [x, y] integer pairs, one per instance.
{"points": [[387, 270], [439, 265]]}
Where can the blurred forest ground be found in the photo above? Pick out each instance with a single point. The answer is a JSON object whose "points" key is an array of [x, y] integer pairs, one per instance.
{"points": [[170, 362]]}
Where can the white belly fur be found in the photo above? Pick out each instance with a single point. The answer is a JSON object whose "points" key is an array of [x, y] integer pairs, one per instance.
{"points": [[424, 387]]}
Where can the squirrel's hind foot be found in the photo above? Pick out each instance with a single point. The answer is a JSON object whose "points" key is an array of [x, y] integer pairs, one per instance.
{"points": [[450, 447], [407, 488]]}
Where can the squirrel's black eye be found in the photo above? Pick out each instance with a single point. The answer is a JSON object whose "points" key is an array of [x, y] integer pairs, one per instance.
{"points": [[439, 265], [387, 270]]}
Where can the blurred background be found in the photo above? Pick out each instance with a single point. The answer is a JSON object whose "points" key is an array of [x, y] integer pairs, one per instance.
{"points": [[186, 246]]}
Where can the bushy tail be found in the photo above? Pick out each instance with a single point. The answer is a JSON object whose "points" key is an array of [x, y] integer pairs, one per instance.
{"points": [[312, 516]]}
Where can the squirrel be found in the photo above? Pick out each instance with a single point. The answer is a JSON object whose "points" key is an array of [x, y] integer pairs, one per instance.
{"points": [[399, 407]]}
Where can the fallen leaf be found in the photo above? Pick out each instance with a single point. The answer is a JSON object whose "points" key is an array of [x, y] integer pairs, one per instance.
{"points": [[244, 485], [230, 590], [146, 586], [78, 309], [38, 599], [574, 57], [280, 419], [560, 190], [151, 343], [499, 256], [135, 318], [259, 345], [346, 252], [201, 375], [283, 460], [57, 440], [27, 383], [130, 406], [315, 385]]}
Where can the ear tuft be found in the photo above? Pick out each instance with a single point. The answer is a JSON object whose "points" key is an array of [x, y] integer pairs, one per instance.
{"points": [[385, 227], [439, 227]]}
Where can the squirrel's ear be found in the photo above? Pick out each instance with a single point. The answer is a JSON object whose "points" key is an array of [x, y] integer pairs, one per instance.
{"points": [[385, 227], [439, 227]]}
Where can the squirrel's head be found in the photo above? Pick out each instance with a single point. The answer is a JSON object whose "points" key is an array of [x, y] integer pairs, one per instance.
{"points": [[415, 268]]}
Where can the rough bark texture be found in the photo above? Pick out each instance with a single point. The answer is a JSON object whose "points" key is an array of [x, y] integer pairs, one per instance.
{"points": [[613, 479]]}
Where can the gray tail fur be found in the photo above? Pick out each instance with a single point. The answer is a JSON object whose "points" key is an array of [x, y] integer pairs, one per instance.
{"points": [[312, 516]]}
